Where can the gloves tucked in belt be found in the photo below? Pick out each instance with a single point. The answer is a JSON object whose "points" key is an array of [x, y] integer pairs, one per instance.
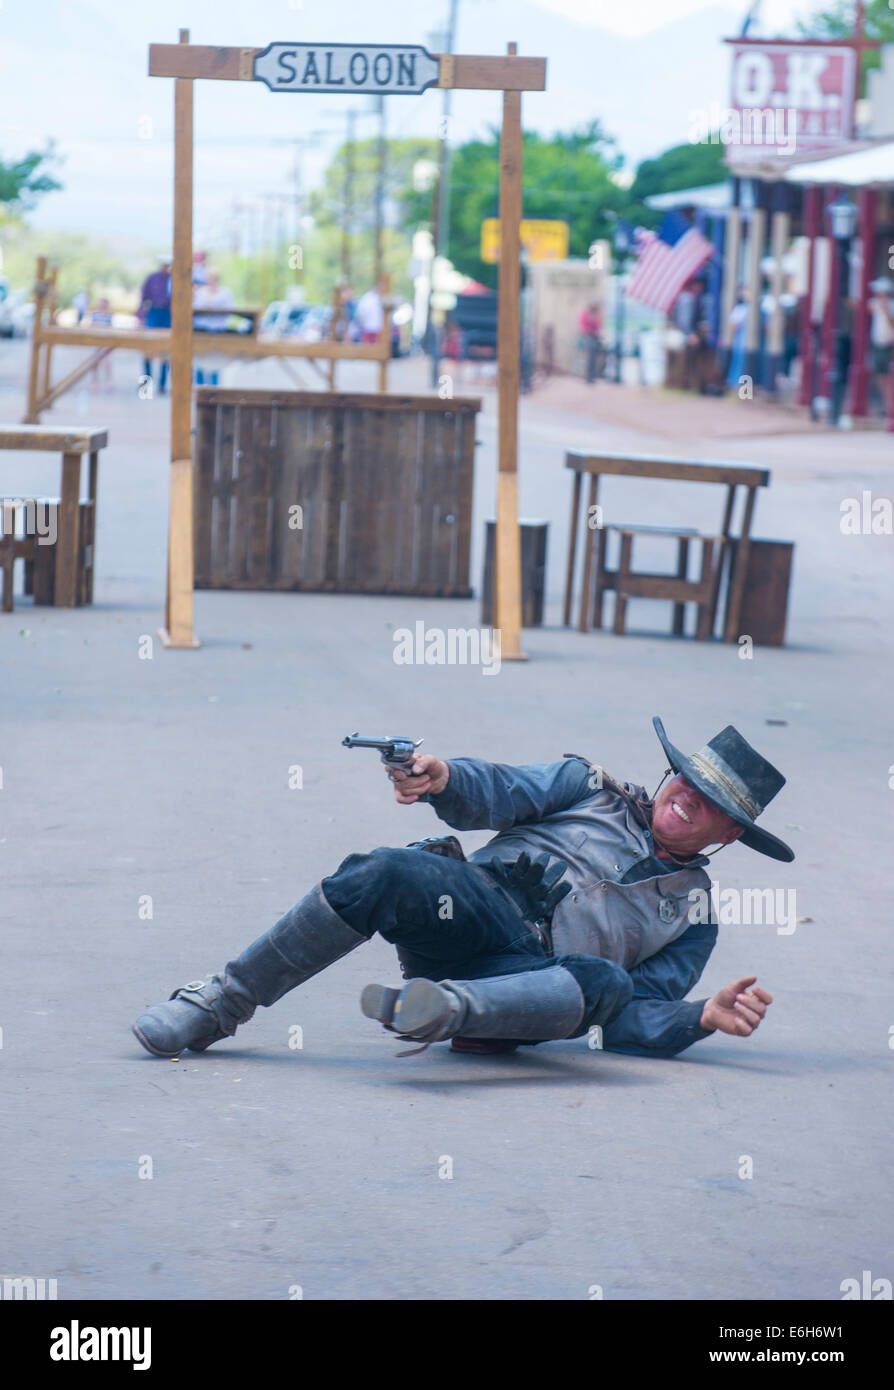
{"points": [[537, 880]]}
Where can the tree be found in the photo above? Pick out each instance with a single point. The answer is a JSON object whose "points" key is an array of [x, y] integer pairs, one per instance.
{"points": [[347, 199], [683, 166], [84, 263], [567, 177], [22, 183], [837, 22]]}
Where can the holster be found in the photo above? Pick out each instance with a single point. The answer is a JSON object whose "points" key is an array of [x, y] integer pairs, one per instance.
{"points": [[448, 846]]}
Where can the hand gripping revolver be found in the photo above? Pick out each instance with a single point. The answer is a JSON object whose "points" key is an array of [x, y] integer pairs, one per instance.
{"points": [[397, 753]]}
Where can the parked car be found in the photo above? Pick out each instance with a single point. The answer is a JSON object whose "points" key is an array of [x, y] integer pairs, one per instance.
{"points": [[270, 315], [315, 324], [5, 315], [283, 318], [475, 318], [16, 312]]}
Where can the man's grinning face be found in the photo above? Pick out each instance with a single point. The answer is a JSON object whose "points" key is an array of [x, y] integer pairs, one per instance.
{"points": [[684, 822]]}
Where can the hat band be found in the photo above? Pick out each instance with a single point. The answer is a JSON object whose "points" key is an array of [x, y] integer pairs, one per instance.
{"points": [[719, 774]]}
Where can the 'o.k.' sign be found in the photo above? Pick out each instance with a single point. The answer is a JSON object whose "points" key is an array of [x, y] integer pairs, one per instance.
{"points": [[389, 69]]}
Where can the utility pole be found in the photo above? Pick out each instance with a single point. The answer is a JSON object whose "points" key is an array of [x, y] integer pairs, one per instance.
{"points": [[443, 233], [297, 199], [348, 221], [381, 156], [442, 221], [263, 216]]}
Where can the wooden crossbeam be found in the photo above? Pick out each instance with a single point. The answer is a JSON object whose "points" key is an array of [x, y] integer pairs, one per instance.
{"points": [[508, 73], [52, 393], [157, 342], [471, 72], [342, 400]]}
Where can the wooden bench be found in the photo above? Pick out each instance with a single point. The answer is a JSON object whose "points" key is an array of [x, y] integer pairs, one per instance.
{"points": [[731, 475], [72, 557]]}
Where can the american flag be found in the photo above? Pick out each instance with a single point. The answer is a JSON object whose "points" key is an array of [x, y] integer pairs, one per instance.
{"points": [[667, 261]]}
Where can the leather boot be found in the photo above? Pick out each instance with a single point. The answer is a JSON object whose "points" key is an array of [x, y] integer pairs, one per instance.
{"points": [[534, 1006], [308, 938]]}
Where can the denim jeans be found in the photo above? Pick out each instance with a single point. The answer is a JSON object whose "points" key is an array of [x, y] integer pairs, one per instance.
{"points": [[157, 317], [451, 920]]}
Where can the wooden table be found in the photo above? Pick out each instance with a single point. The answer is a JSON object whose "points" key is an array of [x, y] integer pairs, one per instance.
{"points": [[72, 442], [731, 475]]}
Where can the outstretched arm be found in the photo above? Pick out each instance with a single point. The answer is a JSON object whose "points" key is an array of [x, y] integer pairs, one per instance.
{"points": [[470, 794], [660, 1022]]}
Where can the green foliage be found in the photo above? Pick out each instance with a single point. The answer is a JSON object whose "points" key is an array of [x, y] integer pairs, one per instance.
{"points": [[83, 263], [336, 205], [328, 204], [22, 183], [683, 166], [566, 177], [258, 280]]}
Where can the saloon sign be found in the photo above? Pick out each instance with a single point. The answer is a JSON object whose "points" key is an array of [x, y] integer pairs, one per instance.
{"points": [[789, 97], [388, 69]]}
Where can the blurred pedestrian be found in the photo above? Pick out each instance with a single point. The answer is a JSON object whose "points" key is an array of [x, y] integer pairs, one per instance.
{"points": [[80, 303], [738, 322], [369, 315], [881, 337], [155, 312], [686, 315], [211, 295], [343, 329], [590, 329]]}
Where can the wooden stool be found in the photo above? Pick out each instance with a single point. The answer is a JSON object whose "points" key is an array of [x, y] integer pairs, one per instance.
{"points": [[681, 590], [14, 546], [40, 558], [70, 587], [42, 579]]}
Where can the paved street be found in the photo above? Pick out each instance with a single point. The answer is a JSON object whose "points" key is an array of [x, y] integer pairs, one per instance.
{"points": [[321, 1167]]}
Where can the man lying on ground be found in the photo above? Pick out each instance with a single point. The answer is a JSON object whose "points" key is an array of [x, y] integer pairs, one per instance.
{"points": [[576, 915]]}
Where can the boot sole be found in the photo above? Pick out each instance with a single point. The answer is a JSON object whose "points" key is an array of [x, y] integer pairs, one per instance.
{"points": [[419, 1005], [378, 1001], [482, 1047], [156, 1052]]}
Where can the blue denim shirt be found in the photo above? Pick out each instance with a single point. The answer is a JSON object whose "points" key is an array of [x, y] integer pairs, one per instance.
{"points": [[658, 1021]]}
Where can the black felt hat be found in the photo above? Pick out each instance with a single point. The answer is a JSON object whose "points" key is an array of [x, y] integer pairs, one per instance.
{"points": [[730, 774]]}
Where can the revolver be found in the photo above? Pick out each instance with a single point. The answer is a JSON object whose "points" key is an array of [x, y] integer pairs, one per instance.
{"points": [[397, 753]]}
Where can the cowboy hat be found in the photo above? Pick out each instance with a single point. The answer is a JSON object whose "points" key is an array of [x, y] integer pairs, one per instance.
{"points": [[730, 774]]}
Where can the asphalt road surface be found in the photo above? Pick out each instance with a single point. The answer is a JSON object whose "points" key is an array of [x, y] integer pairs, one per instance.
{"points": [[149, 831]]}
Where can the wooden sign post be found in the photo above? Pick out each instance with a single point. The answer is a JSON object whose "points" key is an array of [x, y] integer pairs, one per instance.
{"points": [[341, 68], [178, 628]]}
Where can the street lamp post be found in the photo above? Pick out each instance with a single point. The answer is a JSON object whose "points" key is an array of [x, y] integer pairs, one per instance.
{"points": [[621, 243], [842, 219]]}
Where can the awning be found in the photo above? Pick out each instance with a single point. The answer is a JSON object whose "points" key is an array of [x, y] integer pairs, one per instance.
{"points": [[711, 197], [873, 166]]}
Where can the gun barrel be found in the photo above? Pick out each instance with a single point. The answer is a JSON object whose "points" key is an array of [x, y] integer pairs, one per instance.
{"points": [[396, 750]]}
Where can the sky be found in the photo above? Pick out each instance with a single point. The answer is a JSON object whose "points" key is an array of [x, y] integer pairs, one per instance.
{"points": [[77, 72]]}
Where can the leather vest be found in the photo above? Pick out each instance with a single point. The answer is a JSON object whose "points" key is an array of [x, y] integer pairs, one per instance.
{"points": [[600, 840]]}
